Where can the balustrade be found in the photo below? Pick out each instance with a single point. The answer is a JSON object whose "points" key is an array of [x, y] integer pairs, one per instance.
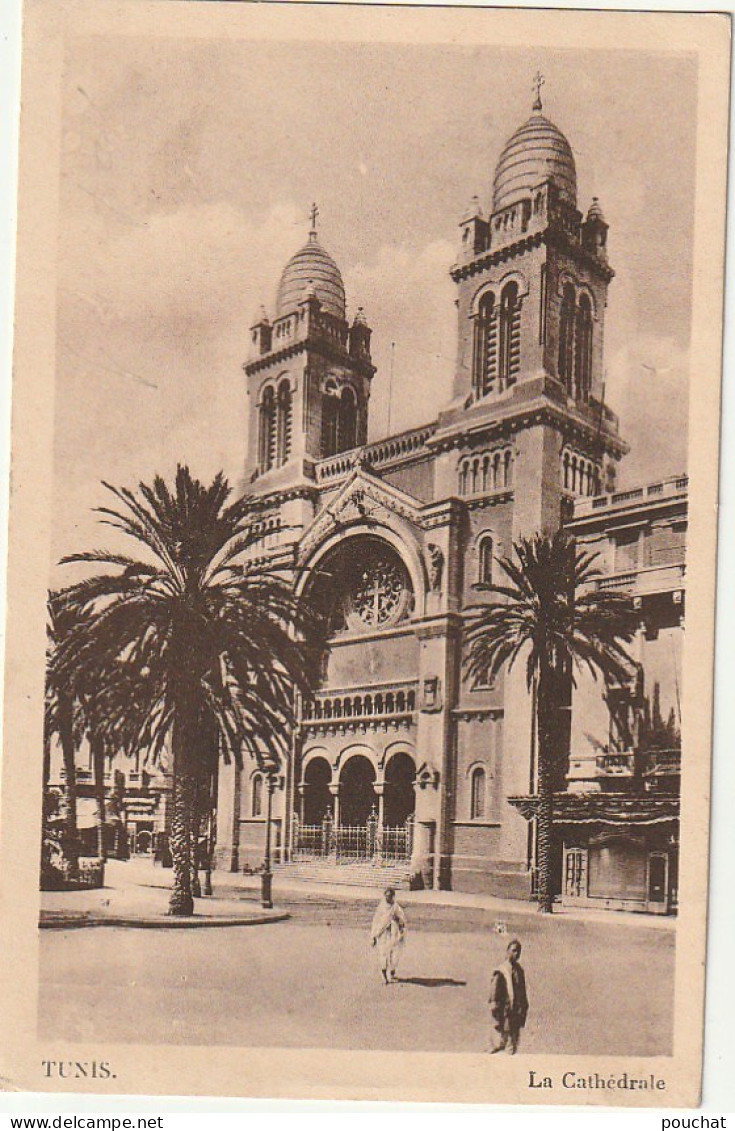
{"points": [[389, 703]]}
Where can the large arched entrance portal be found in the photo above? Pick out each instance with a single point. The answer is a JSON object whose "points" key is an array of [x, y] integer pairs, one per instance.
{"points": [[399, 800], [357, 797], [317, 795]]}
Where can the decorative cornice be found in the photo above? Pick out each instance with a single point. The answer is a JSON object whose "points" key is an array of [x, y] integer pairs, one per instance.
{"points": [[447, 512], [430, 628], [464, 714], [317, 345], [492, 258], [557, 237], [276, 498], [493, 500], [542, 411], [552, 236], [361, 725]]}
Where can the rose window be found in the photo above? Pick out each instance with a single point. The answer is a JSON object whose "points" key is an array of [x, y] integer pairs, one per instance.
{"points": [[379, 591], [363, 585]]}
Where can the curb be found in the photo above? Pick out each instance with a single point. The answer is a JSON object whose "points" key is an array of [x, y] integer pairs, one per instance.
{"points": [[64, 922]]}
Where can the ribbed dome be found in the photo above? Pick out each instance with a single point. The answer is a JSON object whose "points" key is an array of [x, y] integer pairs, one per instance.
{"points": [[311, 265], [536, 152]]}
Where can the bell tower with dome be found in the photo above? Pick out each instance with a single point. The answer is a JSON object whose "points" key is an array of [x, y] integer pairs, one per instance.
{"points": [[532, 280], [308, 374]]}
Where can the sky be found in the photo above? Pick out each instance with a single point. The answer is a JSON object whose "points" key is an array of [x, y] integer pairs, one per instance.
{"points": [[188, 171]]}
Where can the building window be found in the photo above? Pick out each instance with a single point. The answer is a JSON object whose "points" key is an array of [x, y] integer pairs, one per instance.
{"points": [[583, 350], [283, 430], [510, 335], [485, 560], [485, 368], [542, 308], [477, 794], [330, 421], [267, 430], [482, 474], [256, 809], [347, 420], [566, 337], [463, 478], [626, 551]]}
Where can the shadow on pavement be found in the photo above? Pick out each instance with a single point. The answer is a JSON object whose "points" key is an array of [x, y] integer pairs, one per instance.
{"points": [[430, 983]]}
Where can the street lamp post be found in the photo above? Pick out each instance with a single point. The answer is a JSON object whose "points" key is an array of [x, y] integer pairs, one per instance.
{"points": [[266, 888]]}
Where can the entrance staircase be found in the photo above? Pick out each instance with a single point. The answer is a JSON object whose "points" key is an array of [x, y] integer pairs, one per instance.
{"points": [[355, 873]]}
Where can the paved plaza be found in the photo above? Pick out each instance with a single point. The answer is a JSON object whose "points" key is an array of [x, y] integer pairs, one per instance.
{"points": [[601, 986]]}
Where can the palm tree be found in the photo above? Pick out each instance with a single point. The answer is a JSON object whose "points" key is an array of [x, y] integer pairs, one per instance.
{"points": [[552, 613], [215, 641]]}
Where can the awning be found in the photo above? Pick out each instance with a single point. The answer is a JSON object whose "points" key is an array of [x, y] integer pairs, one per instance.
{"points": [[613, 809]]}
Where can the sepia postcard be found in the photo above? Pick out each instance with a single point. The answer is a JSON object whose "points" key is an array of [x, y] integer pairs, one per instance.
{"points": [[363, 524]]}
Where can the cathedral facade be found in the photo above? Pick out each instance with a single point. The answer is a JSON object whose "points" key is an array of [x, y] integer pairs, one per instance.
{"points": [[400, 761]]}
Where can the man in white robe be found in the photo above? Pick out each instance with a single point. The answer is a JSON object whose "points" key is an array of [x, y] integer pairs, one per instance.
{"points": [[388, 932]]}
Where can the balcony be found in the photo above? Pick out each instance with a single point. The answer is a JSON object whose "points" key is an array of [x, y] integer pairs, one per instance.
{"points": [[668, 578], [675, 487], [362, 708], [624, 771], [382, 453]]}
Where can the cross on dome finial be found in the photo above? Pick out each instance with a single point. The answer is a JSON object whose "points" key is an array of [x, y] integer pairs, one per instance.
{"points": [[538, 82], [313, 215]]}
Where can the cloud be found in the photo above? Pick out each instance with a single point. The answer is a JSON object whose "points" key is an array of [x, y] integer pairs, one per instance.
{"points": [[183, 272], [408, 298], [648, 386]]}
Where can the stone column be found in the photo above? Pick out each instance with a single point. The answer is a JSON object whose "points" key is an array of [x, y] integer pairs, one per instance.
{"points": [[334, 790], [379, 788]]}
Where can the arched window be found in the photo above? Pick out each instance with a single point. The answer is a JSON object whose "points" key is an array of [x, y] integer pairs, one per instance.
{"points": [[566, 337], [583, 350], [510, 335], [507, 469], [475, 477], [485, 368], [283, 440], [485, 560], [477, 794], [566, 471], [330, 421], [347, 420], [267, 430], [463, 478], [257, 796]]}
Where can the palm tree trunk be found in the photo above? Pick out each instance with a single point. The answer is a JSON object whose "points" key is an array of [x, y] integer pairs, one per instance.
{"points": [[211, 825], [46, 763], [196, 824], [98, 760], [545, 811], [182, 902], [70, 846]]}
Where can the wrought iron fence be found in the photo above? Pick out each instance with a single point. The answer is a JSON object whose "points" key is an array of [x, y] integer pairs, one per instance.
{"points": [[351, 842]]}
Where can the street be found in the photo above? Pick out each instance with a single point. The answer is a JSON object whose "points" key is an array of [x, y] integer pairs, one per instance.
{"points": [[595, 987]]}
